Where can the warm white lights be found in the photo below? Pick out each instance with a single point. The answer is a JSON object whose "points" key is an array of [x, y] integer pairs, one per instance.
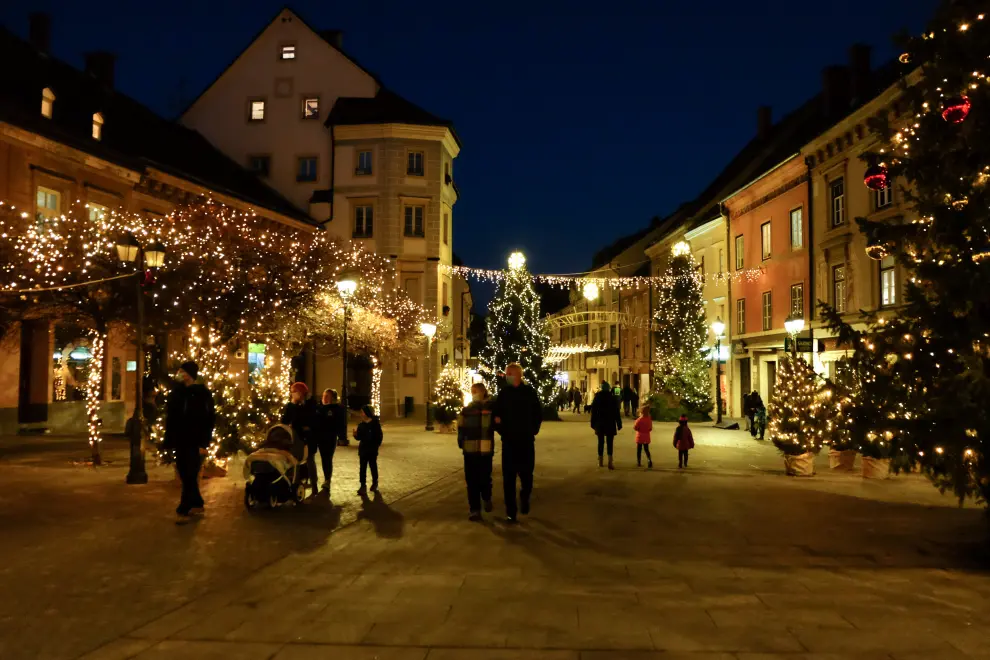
{"points": [[428, 330], [517, 260], [590, 291]]}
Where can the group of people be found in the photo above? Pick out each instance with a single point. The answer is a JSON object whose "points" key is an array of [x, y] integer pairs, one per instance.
{"points": [[573, 399], [606, 421], [756, 413]]}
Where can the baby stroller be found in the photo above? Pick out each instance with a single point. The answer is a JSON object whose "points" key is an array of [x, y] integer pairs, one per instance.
{"points": [[274, 475]]}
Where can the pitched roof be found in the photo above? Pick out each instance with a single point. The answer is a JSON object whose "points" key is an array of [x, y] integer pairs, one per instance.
{"points": [[133, 136], [386, 107]]}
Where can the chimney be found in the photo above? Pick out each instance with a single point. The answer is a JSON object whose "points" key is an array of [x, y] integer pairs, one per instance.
{"points": [[764, 121], [859, 68], [40, 30], [835, 90], [335, 37], [99, 64]]}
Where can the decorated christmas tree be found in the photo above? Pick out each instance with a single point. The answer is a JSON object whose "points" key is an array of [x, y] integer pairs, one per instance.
{"points": [[681, 368], [925, 379], [516, 332], [793, 413], [448, 396]]}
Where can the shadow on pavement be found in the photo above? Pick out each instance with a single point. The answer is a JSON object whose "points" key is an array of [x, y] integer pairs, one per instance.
{"points": [[388, 522]]}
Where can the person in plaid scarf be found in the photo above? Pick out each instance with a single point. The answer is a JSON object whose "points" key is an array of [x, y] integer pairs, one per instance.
{"points": [[476, 437]]}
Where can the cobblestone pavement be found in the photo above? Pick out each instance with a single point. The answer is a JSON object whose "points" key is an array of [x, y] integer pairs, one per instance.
{"points": [[728, 559]]}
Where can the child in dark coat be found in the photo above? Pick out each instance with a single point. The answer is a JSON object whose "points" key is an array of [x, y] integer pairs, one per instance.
{"points": [[369, 436], [683, 441]]}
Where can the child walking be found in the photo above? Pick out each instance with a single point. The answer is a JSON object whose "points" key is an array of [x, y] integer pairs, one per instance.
{"points": [[369, 436], [683, 441], [643, 426]]}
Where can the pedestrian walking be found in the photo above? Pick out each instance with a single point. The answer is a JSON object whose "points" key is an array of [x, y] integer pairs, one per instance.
{"points": [[325, 430], [606, 420], [643, 427], [578, 399], [369, 436], [683, 441], [747, 410], [635, 399], [518, 415], [476, 438], [300, 414], [760, 421], [755, 403], [190, 416], [339, 419], [627, 400]]}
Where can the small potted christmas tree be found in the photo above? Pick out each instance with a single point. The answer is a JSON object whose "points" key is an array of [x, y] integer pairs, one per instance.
{"points": [[835, 426], [794, 416], [449, 400]]}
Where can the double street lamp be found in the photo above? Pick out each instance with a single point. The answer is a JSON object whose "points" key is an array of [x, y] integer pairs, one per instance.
{"points": [[130, 251], [429, 331], [719, 329]]}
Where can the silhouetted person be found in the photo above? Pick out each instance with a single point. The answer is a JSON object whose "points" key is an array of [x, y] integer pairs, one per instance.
{"points": [[518, 416], [476, 438], [606, 420], [188, 433]]}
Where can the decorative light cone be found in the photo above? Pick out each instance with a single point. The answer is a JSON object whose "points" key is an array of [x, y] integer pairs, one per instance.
{"points": [[956, 109], [876, 251], [877, 178]]}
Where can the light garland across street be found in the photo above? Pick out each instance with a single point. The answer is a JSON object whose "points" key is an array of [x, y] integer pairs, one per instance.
{"points": [[585, 280]]}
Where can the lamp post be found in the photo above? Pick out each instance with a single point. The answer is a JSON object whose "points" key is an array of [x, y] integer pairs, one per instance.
{"points": [[346, 286], [793, 326], [429, 330], [130, 251], [719, 329]]}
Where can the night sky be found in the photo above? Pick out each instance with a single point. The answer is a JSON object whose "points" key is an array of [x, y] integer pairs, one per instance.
{"points": [[580, 120]]}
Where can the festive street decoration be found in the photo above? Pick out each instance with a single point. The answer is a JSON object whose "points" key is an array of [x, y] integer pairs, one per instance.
{"points": [[876, 177], [793, 418], [876, 251], [956, 109], [516, 333], [448, 396], [94, 395], [561, 352], [680, 366]]}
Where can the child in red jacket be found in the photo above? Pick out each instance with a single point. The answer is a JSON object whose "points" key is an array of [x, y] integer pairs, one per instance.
{"points": [[683, 441], [643, 426]]}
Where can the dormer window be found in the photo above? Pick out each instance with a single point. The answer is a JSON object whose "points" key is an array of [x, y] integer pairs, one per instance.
{"points": [[287, 52], [97, 126], [47, 102]]}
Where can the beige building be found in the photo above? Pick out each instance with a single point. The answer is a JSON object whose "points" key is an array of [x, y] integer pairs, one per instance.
{"points": [[371, 167]]}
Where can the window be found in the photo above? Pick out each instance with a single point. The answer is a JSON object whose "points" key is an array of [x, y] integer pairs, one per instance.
{"points": [[700, 268], [446, 226], [307, 169], [47, 103], [363, 163], [287, 52], [311, 108], [797, 228], [97, 126], [884, 197], [415, 164], [411, 286], [839, 288], [612, 337], [256, 358], [594, 337], [260, 165], [797, 300], [837, 194], [739, 252], [414, 221], [888, 282], [443, 299], [97, 212], [409, 368], [721, 261], [446, 174], [257, 112], [49, 204], [364, 221], [740, 316], [767, 310], [765, 240]]}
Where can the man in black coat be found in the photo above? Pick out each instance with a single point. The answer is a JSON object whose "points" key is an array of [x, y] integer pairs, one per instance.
{"points": [[518, 415], [606, 421], [190, 416]]}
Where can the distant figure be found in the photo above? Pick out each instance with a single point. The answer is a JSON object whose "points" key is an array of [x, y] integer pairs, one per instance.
{"points": [[760, 421], [635, 400], [643, 427], [683, 441], [369, 436], [627, 397], [606, 420], [518, 415], [190, 416], [575, 399], [755, 403], [476, 438]]}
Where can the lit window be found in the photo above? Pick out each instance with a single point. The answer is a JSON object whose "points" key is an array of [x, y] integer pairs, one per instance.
{"points": [[49, 204], [839, 288], [797, 228], [888, 282], [837, 194], [767, 310], [47, 102], [415, 163], [256, 358], [97, 213], [363, 163], [884, 197], [364, 221], [741, 316], [797, 300], [414, 221], [446, 226], [287, 52], [311, 108], [739, 252], [97, 126], [307, 169], [260, 164], [765, 240], [257, 111]]}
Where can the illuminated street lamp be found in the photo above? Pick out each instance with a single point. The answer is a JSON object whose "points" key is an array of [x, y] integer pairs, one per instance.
{"points": [[793, 326], [346, 286], [429, 330], [719, 329], [590, 291]]}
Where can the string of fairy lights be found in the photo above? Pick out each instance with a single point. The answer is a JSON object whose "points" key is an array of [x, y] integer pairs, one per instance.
{"points": [[583, 280]]}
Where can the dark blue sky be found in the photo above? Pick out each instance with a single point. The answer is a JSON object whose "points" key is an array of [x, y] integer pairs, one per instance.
{"points": [[580, 119]]}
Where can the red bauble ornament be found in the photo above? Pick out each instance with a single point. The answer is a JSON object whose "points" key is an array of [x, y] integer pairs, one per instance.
{"points": [[956, 109], [149, 278], [876, 178]]}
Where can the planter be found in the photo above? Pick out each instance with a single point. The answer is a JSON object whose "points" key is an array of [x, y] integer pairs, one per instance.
{"points": [[843, 460], [445, 428], [876, 468], [801, 465]]}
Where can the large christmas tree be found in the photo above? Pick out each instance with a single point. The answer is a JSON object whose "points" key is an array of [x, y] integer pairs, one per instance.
{"points": [[926, 377], [516, 332], [681, 330]]}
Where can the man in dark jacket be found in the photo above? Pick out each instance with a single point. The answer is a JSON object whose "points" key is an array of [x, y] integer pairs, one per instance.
{"points": [[476, 438], [518, 415], [189, 421], [606, 421]]}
